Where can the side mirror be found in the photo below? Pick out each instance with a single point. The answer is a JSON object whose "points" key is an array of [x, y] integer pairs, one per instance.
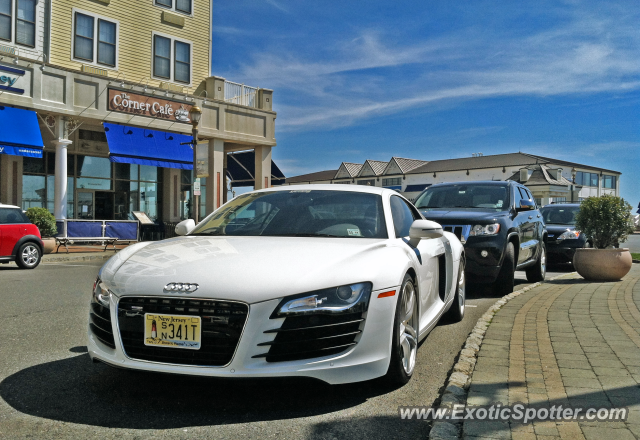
{"points": [[424, 229], [185, 226], [526, 205]]}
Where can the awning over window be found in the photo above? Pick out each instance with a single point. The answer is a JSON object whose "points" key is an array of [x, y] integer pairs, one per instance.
{"points": [[142, 146], [416, 188], [19, 132], [241, 169]]}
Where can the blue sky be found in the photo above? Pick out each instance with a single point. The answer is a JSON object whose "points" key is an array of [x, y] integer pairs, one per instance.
{"points": [[356, 80]]}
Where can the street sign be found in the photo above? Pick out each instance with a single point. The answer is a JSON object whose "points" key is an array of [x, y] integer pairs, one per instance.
{"points": [[196, 187]]}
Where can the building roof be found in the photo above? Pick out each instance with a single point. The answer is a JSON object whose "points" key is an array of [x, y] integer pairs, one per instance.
{"points": [[539, 176], [403, 165], [312, 177], [351, 168], [494, 161], [376, 166]]}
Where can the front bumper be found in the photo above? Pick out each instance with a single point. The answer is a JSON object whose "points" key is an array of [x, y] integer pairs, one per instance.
{"points": [[366, 360], [481, 269]]}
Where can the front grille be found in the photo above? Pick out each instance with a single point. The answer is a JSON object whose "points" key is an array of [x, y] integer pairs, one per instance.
{"points": [[222, 325], [100, 324], [460, 231], [312, 336]]}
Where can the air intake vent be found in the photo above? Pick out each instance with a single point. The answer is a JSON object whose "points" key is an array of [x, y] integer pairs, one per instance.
{"points": [[312, 336], [222, 325], [100, 324]]}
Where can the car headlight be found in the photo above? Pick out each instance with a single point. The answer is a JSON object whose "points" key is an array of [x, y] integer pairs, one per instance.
{"points": [[352, 297], [101, 294], [492, 229], [569, 235]]}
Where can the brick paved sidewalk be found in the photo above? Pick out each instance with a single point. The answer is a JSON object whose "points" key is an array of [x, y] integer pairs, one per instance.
{"points": [[567, 342]]}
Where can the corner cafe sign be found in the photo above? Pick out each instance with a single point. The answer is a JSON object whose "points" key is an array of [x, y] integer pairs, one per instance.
{"points": [[150, 106]]}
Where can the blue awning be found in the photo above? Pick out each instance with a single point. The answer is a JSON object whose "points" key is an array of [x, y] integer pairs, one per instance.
{"points": [[19, 132], [142, 146], [416, 188], [241, 169]]}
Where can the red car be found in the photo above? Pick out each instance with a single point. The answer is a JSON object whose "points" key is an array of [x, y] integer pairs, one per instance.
{"points": [[20, 239]]}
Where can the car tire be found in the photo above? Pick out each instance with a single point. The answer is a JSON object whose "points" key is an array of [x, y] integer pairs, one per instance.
{"points": [[537, 273], [29, 255], [456, 311], [503, 285], [404, 345]]}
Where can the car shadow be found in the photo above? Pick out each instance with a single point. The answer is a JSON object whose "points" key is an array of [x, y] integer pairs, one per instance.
{"points": [[9, 266], [76, 391]]}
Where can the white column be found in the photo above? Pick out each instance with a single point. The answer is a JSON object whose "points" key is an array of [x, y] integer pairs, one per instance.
{"points": [[60, 185], [262, 167], [215, 181]]}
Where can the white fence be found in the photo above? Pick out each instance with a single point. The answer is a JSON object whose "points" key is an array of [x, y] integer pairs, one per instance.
{"points": [[240, 94]]}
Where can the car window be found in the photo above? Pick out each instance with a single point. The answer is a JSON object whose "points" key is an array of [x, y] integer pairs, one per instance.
{"points": [[494, 197], [402, 215], [12, 216], [299, 213], [560, 215]]}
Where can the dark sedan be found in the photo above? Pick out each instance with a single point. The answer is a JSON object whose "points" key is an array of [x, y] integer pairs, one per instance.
{"points": [[562, 237]]}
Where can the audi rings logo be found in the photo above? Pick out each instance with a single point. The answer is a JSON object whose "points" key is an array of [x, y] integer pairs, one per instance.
{"points": [[181, 287]]}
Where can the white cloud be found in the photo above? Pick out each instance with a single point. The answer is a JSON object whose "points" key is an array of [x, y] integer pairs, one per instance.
{"points": [[341, 82]]}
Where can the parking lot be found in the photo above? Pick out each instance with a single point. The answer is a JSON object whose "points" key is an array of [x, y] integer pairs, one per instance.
{"points": [[50, 389]]}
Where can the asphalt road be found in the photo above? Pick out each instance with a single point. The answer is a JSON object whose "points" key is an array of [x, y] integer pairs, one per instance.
{"points": [[50, 389], [633, 243]]}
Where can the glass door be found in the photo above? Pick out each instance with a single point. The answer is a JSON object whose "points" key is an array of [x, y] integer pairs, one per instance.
{"points": [[85, 205]]}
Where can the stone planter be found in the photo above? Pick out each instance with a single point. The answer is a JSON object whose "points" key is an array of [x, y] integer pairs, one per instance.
{"points": [[602, 264], [49, 245]]}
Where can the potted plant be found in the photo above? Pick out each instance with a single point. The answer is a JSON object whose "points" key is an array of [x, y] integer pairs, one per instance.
{"points": [[606, 220], [46, 223]]}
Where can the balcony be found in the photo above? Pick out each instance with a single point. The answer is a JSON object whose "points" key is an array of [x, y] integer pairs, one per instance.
{"points": [[236, 93]]}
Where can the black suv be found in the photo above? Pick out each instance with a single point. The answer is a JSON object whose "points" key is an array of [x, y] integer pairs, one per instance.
{"points": [[499, 224]]}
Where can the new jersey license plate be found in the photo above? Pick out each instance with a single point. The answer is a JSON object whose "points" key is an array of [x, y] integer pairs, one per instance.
{"points": [[172, 331]]}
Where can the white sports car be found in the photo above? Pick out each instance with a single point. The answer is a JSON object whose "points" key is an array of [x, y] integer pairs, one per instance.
{"points": [[334, 282]]}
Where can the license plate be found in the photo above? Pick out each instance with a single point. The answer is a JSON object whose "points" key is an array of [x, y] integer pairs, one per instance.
{"points": [[172, 331]]}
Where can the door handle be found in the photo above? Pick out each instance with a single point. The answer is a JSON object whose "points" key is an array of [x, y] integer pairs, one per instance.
{"points": [[530, 217], [538, 215]]}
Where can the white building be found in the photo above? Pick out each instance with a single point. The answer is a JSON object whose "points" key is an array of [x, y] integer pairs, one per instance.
{"points": [[550, 180]]}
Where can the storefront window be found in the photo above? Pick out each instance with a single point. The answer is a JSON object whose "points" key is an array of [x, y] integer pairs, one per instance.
{"points": [[148, 173], [126, 171], [89, 183], [149, 199], [89, 166], [34, 193]]}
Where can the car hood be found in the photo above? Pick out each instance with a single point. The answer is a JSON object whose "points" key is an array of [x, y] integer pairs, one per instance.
{"points": [[556, 230], [461, 216], [250, 269]]}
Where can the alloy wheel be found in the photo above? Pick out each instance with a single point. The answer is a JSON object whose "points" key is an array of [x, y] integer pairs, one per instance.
{"points": [[462, 294], [407, 332], [30, 255]]}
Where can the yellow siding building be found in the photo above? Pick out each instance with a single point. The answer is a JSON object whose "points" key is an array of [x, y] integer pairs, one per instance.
{"points": [[137, 22], [139, 67]]}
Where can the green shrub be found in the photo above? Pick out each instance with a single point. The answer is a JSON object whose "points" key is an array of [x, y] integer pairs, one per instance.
{"points": [[605, 219], [44, 220]]}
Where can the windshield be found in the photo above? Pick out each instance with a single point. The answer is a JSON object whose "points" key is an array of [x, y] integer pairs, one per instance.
{"points": [[465, 196], [298, 213], [560, 215]]}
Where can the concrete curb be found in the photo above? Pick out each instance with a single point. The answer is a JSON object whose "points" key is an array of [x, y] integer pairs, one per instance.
{"points": [[458, 383], [70, 257]]}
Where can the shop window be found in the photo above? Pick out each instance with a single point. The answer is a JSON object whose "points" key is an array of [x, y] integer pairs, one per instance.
{"points": [[95, 40], [126, 171], [34, 192], [89, 166], [22, 21], [172, 59], [148, 173], [91, 135], [392, 181], [370, 182], [184, 6], [90, 183]]}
